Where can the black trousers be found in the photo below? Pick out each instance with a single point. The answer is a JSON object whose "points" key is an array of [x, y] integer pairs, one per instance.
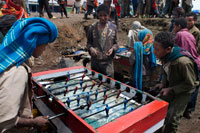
{"points": [[63, 9], [44, 4]]}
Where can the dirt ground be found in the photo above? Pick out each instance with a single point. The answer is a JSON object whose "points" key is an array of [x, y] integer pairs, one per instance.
{"points": [[72, 37]]}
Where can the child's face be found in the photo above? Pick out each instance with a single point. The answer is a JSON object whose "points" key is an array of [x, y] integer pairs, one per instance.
{"points": [[190, 21], [39, 50], [177, 28], [103, 17], [159, 51]]}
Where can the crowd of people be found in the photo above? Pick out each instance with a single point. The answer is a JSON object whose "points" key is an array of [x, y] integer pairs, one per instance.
{"points": [[144, 8], [178, 50]]}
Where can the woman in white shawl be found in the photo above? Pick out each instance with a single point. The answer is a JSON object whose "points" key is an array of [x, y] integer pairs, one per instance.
{"points": [[133, 33]]}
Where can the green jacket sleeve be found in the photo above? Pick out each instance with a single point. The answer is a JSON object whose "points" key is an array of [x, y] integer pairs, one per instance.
{"points": [[189, 78]]}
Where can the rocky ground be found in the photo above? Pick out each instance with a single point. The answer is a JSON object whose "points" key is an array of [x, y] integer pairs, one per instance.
{"points": [[72, 37]]}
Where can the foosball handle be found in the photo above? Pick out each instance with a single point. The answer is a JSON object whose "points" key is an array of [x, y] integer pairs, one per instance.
{"points": [[107, 110]]}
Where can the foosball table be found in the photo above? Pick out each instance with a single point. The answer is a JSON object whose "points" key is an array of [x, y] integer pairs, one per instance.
{"points": [[86, 101]]}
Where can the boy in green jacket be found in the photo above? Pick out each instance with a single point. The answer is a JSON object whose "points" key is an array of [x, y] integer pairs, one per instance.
{"points": [[180, 77]]}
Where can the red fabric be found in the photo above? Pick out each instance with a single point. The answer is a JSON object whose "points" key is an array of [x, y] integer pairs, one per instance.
{"points": [[118, 8], [154, 5], [11, 8]]}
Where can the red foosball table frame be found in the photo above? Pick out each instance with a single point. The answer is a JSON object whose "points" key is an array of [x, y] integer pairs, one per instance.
{"points": [[147, 118]]}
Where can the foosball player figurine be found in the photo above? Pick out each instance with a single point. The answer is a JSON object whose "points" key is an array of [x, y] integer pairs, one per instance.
{"points": [[66, 89], [85, 87], [89, 104], [96, 94], [92, 86], [68, 102], [104, 92], [81, 83], [88, 97], [78, 100], [75, 89], [105, 98], [100, 84], [107, 110], [125, 103], [83, 77], [120, 91], [68, 75]]}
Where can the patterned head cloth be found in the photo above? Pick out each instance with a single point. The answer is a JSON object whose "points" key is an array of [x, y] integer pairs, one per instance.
{"points": [[146, 37], [11, 8], [23, 37]]}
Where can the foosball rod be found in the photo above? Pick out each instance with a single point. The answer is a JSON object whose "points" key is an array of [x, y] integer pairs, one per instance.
{"points": [[91, 94], [66, 80], [104, 109], [55, 116], [94, 93], [108, 80], [77, 88], [85, 71], [107, 96]]}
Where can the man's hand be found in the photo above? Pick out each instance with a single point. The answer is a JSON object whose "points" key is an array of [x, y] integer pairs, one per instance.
{"points": [[110, 51], [40, 121], [37, 122], [93, 51], [159, 86], [165, 91]]}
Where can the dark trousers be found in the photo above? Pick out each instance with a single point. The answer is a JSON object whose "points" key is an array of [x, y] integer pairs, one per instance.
{"points": [[63, 9], [44, 4], [89, 11], [175, 112], [192, 103], [105, 68]]}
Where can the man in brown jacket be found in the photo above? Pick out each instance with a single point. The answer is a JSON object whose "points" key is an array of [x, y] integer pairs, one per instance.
{"points": [[179, 78], [102, 42], [191, 19]]}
